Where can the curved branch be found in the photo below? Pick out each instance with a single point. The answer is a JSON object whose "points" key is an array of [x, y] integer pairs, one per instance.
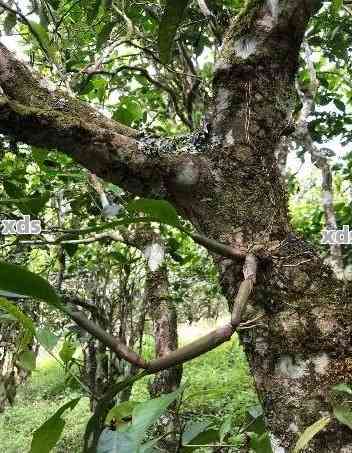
{"points": [[188, 352], [155, 82]]}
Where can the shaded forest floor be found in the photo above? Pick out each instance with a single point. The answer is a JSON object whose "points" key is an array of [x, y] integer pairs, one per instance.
{"points": [[217, 385]]}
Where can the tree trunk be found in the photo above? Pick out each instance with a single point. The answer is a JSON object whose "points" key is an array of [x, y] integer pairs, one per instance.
{"points": [[302, 346], [164, 315]]}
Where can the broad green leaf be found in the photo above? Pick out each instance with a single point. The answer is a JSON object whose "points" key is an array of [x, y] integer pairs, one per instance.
{"points": [[210, 436], [70, 249], [9, 22], [120, 412], [67, 351], [39, 154], [18, 314], [28, 205], [336, 5], [120, 257], [256, 420], [97, 418], [343, 388], [47, 339], [46, 437], [172, 18], [7, 317], [225, 428], [27, 360], [13, 190], [54, 3], [340, 105], [92, 8], [343, 415], [310, 432], [20, 280], [192, 431], [117, 442], [161, 210], [148, 446], [128, 111], [260, 443], [43, 38], [146, 414]]}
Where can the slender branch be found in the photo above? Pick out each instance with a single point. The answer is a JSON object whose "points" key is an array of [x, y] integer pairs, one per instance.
{"points": [[188, 352], [155, 82], [120, 349]]}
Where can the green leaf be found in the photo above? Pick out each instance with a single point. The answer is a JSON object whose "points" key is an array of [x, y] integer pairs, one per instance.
{"points": [[28, 205], [256, 420], [39, 154], [172, 18], [18, 314], [7, 317], [161, 210], [192, 431], [340, 105], [128, 111], [67, 351], [98, 417], [121, 412], [343, 388], [46, 437], [260, 443], [47, 339], [146, 414], [120, 257], [12, 189], [43, 38], [148, 446], [343, 415], [336, 5], [117, 442], [225, 428], [9, 22], [92, 7], [104, 34], [70, 249], [20, 280], [209, 436], [310, 432], [54, 3], [27, 360]]}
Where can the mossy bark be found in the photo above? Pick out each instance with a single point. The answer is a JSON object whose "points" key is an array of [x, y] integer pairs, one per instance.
{"points": [[302, 345]]}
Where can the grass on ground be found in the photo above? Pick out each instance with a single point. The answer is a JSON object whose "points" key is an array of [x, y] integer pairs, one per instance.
{"points": [[217, 384]]}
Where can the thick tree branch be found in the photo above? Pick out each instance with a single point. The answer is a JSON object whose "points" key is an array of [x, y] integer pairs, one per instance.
{"points": [[32, 113]]}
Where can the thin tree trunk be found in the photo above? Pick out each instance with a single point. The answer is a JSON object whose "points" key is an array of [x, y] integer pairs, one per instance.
{"points": [[319, 159], [164, 315]]}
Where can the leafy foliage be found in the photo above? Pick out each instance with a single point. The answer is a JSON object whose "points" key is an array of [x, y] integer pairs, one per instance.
{"points": [[46, 437], [21, 281], [310, 432]]}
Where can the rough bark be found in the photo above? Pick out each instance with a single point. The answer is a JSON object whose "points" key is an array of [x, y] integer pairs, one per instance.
{"points": [[164, 315], [233, 193]]}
